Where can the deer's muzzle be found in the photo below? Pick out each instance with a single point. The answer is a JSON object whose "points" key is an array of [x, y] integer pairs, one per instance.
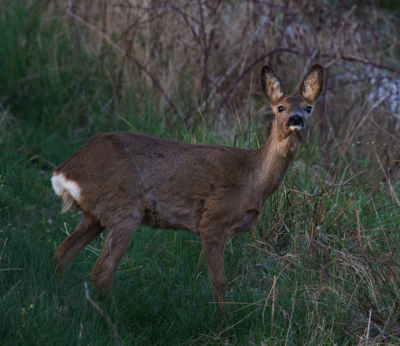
{"points": [[295, 122]]}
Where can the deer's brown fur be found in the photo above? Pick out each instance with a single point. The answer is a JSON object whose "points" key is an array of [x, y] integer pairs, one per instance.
{"points": [[123, 179]]}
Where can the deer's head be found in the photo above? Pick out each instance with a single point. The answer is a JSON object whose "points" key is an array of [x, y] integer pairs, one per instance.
{"points": [[292, 112]]}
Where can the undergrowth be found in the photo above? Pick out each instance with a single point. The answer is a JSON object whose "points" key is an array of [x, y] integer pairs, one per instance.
{"points": [[321, 268]]}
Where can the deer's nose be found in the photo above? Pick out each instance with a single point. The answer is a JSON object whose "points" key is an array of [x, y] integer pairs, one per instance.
{"points": [[295, 120]]}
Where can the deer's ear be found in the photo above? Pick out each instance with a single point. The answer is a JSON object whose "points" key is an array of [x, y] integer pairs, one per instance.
{"points": [[272, 85], [312, 84]]}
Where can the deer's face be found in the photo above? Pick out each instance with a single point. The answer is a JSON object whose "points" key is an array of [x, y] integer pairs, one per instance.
{"points": [[293, 117], [293, 112]]}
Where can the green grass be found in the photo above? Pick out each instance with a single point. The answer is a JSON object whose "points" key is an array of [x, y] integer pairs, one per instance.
{"points": [[53, 98]]}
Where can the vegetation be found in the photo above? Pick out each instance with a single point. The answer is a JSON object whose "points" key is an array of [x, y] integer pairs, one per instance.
{"points": [[322, 266]]}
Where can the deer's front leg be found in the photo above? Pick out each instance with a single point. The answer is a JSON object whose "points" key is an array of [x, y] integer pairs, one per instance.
{"points": [[213, 249]]}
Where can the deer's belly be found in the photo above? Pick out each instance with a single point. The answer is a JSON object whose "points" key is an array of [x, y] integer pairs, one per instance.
{"points": [[173, 218], [247, 222]]}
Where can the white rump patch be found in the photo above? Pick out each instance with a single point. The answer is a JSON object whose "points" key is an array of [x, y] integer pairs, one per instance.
{"points": [[60, 184], [296, 127], [58, 187]]}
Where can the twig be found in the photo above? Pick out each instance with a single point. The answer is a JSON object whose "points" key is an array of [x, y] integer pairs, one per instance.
{"points": [[34, 156], [306, 68], [4, 245], [126, 121], [367, 62], [209, 336], [199, 261], [311, 240], [128, 270], [369, 325], [205, 51], [80, 334], [124, 52], [358, 230], [385, 131], [273, 311], [78, 36], [3, 270], [393, 192], [10, 290], [332, 62], [101, 312], [200, 337], [251, 41]]}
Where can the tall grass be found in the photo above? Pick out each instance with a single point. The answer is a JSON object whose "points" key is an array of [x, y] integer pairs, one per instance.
{"points": [[206, 57], [320, 269]]}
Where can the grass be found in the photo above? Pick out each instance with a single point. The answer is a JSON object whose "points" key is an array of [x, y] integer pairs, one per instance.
{"points": [[320, 269]]}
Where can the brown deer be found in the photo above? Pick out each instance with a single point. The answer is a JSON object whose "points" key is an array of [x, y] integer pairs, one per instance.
{"points": [[123, 179]]}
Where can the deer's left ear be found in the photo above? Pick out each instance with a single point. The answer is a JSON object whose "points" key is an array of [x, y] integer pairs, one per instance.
{"points": [[312, 84], [272, 85]]}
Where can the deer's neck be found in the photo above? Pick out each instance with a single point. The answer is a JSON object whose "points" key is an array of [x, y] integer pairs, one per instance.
{"points": [[276, 159]]}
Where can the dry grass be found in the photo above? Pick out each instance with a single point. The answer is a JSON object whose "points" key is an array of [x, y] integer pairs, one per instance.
{"points": [[211, 48]]}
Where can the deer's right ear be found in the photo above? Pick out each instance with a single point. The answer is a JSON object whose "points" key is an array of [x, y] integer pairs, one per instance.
{"points": [[312, 84], [272, 85]]}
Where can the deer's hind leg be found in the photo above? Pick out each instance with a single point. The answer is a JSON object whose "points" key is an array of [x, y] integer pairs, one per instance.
{"points": [[86, 231], [117, 241]]}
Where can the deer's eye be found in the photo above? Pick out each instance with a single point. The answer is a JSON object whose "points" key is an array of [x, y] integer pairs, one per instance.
{"points": [[281, 109], [308, 109]]}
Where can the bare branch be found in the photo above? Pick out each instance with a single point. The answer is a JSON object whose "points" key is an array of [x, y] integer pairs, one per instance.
{"points": [[102, 313], [124, 52]]}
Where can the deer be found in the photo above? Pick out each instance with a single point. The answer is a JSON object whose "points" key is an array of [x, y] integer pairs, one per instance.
{"points": [[120, 180]]}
